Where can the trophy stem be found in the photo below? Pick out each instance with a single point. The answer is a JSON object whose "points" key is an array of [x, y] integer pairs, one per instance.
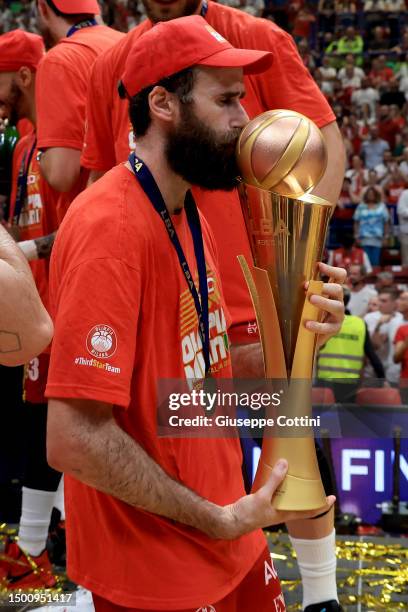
{"points": [[302, 488]]}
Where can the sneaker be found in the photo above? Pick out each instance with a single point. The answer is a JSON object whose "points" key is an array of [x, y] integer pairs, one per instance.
{"points": [[21, 571], [325, 606]]}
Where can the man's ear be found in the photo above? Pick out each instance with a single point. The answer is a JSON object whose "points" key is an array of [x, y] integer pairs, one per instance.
{"points": [[163, 105], [24, 77], [42, 8]]}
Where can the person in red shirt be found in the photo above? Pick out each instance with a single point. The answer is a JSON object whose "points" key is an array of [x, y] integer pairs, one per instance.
{"points": [[349, 255], [401, 345], [126, 316], [287, 84], [70, 28], [33, 223]]}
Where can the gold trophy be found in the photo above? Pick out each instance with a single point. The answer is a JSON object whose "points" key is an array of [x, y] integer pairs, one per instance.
{"points": [[282, 155]]}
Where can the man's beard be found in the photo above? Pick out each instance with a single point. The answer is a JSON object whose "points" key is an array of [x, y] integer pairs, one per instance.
{"points": [[200, 156], [45, 33], [162, 12]]}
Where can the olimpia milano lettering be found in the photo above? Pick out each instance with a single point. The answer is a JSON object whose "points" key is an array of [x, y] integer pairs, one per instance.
{"points": [[191, 347]]}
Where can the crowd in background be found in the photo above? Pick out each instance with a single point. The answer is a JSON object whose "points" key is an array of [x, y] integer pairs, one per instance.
{"points": [[357, 52]]}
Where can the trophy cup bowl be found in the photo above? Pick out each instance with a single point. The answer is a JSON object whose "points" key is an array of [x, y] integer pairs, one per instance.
{"points": [[282, 155]]}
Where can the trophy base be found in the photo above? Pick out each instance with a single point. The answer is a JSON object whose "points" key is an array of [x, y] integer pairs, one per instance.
{"points": [[294, 493]]}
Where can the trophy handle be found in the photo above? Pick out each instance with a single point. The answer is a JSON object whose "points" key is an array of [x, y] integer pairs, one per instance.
{"points": [[267, 319]]}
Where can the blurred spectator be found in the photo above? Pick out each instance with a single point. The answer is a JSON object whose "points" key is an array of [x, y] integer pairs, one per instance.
{"points": [[373, 183], [351, 78], [394, 185], [350, 60], [373, 148], [388, 126], [358, 176], [401, 346], [386, 166], [302, 24], [349, 255], [381, 39], [327, 74], [380, 73], [327, 15], [402, 212], [384, 280], [373, 304], [340, 361], [306, 54], [371, 225], [403, 166], [382, 326], [360, 293], [366, 95], [352, 43]]}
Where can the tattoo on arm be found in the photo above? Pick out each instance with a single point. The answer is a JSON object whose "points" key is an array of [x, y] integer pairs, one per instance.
{"points": [[9, 342], [44, 245]]}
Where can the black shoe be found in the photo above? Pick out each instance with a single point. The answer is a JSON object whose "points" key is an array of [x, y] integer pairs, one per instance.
{"points": [[325, 606]]}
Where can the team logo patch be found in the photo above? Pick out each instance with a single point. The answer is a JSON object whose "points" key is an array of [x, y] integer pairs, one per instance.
{"points": [[101, 341]]}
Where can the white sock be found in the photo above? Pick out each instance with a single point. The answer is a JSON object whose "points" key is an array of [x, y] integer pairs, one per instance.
{"points": [[59, 498], [317, 564], [35, 520]]}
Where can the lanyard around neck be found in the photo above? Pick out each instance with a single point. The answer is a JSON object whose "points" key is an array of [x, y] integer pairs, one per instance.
{"points": [[149, 186], [22, 182], [88, 23]]}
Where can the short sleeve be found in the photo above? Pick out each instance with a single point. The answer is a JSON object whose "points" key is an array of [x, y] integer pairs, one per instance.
{"points": [[99, 141], [399, 335], [288, 83], [386, 213], [60, 105], [95, 318]]}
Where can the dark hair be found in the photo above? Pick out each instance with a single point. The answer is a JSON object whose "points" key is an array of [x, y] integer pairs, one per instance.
{"points": [[74, 18], [377, 194], [181, 84], [394, 292]]}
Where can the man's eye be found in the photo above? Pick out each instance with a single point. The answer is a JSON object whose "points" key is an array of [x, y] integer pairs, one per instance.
{"points": [[226, 101]]}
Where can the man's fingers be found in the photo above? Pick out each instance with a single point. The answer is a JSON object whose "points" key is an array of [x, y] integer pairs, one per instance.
{"points": [[334, 307], [278, 473], [337, 275], [323, 329]]}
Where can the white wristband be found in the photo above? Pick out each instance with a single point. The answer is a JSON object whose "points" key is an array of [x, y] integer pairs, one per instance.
{"points": [[29, 249]]}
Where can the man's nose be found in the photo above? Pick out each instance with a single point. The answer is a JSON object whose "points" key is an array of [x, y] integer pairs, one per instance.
{"points": [[241, 118]]}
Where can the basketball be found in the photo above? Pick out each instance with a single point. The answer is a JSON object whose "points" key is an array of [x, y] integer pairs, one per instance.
{"points": [[282, 151]]}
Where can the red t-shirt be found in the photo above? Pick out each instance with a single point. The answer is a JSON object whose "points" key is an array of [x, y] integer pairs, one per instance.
{"points": [[402, 334], [121, 274], [345, 259], [287, 84], [61, 85], [37, 218]]}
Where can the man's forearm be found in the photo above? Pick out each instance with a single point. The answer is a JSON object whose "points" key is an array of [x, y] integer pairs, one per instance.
{"points": [[25, 327], [329, 186], [105, 457]]}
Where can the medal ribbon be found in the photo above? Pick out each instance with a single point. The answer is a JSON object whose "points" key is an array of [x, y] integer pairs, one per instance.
{"points": [[149, 186]]}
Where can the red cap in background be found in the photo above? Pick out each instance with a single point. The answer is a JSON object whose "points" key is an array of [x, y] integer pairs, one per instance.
{"points": [[180, 43], [73, 7], [19, 48]]}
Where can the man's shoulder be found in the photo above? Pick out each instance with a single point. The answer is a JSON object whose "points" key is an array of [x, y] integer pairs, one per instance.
{"points": [[113, 58], [240, 26], [107, 219]]}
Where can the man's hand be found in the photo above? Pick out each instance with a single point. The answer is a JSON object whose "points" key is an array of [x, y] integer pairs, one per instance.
{"points": [[330, 303], [255, 511]]}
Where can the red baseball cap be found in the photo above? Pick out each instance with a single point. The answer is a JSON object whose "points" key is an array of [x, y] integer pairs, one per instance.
{"points": [[177, 44], [73, 7], [19, 48]]}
